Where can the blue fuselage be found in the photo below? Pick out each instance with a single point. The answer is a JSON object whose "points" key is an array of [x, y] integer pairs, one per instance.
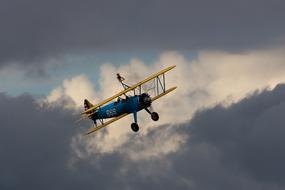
{"points": [[131, 104]]}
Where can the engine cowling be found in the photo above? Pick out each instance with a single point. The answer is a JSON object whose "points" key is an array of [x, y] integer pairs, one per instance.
{"points": [[145, 100]]}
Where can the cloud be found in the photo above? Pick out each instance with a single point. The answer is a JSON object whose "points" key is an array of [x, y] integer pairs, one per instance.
{"points": [[36, 150], [240, 146], [234, 147], [72, 90], [35, 30], [209, 79]]}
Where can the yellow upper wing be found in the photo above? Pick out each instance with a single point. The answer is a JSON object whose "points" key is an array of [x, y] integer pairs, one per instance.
{"points": [[128, 89]]}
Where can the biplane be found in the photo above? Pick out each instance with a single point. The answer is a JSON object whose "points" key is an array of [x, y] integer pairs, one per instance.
{"points": [[124, 103]]}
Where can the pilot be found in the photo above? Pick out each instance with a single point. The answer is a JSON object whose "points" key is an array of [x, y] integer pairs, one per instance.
{"points": [[118, 100]]}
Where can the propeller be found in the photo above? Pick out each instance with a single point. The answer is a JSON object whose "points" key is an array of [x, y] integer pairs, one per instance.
{"points": [[150, 90]]}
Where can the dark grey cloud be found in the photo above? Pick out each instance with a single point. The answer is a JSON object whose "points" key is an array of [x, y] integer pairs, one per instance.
{"points": [[239, 147], [35, 148], [32, 30]]}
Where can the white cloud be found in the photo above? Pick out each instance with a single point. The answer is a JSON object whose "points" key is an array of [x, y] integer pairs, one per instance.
{"points": [[76, 89], [210, 78]]}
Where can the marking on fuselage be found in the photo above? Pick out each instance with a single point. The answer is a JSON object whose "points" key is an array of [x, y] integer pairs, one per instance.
{"points": [[111, 112]]}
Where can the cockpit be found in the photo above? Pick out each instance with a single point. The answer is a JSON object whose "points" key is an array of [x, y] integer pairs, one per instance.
{"points": [[119, 99]]}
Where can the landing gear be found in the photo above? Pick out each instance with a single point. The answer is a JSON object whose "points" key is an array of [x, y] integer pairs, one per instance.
{"points": [[135, 127], [154, 116]]}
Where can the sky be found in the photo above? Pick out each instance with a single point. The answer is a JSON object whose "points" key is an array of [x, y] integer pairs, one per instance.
{"points": [[222, 128]]}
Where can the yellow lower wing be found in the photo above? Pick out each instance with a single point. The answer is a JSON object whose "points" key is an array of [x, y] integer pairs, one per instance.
{"points": [[164, 93], [94, 129]]}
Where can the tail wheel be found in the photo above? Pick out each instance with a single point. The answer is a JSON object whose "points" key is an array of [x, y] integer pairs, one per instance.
{"points": [[135, 127], [154, 116]]}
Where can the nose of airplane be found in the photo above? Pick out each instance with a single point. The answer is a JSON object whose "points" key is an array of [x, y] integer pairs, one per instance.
{"points": [[146, 100]]}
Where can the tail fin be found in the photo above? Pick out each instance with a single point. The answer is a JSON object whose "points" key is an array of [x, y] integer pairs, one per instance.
{"points": [[87, 104]]}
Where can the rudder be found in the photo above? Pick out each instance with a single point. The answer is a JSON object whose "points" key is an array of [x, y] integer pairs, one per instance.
{"points": [[87, 104]]}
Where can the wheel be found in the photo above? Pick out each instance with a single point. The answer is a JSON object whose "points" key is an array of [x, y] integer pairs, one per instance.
{"points": [[135, 127], [154, 116]]}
